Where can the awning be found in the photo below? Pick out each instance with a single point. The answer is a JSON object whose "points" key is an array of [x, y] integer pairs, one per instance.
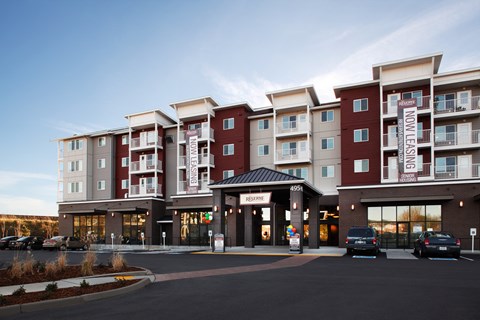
{"points": [[85, 211], [165, 221], [189, 207], [132, 209], [407, 199]]}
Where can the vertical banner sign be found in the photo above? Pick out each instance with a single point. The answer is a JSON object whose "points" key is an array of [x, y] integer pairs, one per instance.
{"points": [[407, 140], [192, 161]]}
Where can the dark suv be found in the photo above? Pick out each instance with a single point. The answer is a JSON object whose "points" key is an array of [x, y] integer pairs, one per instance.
{"points": [[362, 239]]}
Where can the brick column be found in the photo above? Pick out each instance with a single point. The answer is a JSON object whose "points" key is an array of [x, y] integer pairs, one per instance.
{"points": [[313, 223], [249, 236], [296, 214], [219, 215]]}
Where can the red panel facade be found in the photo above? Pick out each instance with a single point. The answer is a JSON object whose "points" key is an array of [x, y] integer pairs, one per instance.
{"points": [[121, 173]]}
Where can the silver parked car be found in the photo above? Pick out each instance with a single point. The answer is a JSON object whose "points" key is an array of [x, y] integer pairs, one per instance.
{"points": [[64, 243]]}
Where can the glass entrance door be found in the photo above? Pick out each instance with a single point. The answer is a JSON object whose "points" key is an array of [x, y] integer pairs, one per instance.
{"points": [[403, 234]]}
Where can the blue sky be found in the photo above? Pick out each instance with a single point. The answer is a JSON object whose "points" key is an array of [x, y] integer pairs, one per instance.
{"points": [[76, 66]]}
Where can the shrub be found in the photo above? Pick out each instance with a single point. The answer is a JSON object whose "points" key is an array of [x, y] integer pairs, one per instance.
{"points": [[51, 269], [16, 270], [118, 262], [62, 261], [88, 263], [19, 291], [84, 284], [29, 265], [2, 300], [51, 287], [40, 266]]}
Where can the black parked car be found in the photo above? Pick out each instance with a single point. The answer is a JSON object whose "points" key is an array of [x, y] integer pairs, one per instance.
{"points": [[4, 242], [437, 242], [27, 243], [362, 239]]}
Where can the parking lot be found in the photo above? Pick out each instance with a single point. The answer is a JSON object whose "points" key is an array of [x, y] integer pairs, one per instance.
{"points": [[324, 287]]}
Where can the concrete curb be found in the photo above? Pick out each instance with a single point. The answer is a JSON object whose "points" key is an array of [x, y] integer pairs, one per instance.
{"points": [[71, 301]]}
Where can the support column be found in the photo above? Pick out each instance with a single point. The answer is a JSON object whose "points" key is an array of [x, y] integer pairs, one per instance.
{"points": [[219, 214], [313, 224], [296, 210], [249, 241]]}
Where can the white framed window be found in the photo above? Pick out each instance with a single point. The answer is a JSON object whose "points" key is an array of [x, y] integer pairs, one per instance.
{"points": [[414, 94], [228, 149], [327, 116], [289, 122], [361, 165], [420, 162], [360, 105], [74, 166], [194, 126], [125, 139], [125, 184], [328, 171], [102, 142], [263, 150], [228, 124], [298, 172], [125, 161], [101, 163], [445, 164], [327, 143], [228, 173], [101, 185], [263, 124], [289, 149], [360, 135], [75, 187], [75, 145]]}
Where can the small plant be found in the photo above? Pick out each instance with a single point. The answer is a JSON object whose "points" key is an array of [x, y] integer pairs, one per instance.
{"points": [[40, 266], [19, 291], [51, 287], [88, 263], [29, 265], [84, 284], [118, 262], [62, 261], [51, 269], [16, 270]]}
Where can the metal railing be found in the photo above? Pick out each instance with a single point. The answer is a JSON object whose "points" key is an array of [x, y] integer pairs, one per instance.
{"points": [[391, 139], [142, 143], [203, 133], [457, 138], [456, 105], [148, 165]]}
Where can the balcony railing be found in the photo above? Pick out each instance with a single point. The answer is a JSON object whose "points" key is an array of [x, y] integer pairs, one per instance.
{"points": [[293, 155], [148, 189], [423, 103], [137, 143], [440, 172], [391, 139], [292, 127], [456, 105], [148, 165], [202, 188], [203, 160], [457, 138], [203, 133]]}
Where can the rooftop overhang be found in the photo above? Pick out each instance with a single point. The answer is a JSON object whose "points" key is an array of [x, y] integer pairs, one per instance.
{"points": [[435, 58]]}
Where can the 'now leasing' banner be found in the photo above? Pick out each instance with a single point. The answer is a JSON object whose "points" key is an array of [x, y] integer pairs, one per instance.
{"points": [[192, 161], [407, 140]]}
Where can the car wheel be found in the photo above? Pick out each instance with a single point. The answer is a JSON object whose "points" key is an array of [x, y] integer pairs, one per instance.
{"points": [[84, 248], [422, 252], [456, 255], [349, 251]]}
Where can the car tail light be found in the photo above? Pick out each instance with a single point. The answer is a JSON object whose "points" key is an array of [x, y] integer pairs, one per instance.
{"points": [[457, 242], [427, 242], [374, 241]]}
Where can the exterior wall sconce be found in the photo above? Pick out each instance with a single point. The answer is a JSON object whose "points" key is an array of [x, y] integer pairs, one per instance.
{"points": [[113, 214], [64, 216], [352, 207], [338, 208], [239, 210], [231, 210], [254, 212], [215, 208], [175, 212], [294, 206], [148, 213], [460, 204], [308, 210]]}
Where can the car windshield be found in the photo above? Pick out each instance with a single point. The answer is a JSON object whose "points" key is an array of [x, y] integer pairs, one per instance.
{"points": [[23, 238], [360, 233]]}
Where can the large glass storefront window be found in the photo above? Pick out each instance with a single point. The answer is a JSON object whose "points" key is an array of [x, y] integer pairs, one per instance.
{"points": [[400, 226], [132, 227], [194, 228], [90, 225]]}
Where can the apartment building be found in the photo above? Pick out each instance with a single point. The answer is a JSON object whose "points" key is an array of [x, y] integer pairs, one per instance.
{"points": [[323, 166]]}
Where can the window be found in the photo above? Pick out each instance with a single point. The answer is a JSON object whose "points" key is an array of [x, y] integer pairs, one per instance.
{"points": [[228, 124], [360, 135], [327, 144], [414, 94], [101, 163], [289, 148], [360, 165], [263, 124], [289, 122], [102, 141], [327, 116], [170, 138], [360, 105], [133, 225], [445, 134], [298, 172], [420, 162], [328, 172], [101, 185], [125, 184], [445, 102], [263, 150], [228, 149], [125, 162], [445, 164], [194, 126], [227, 174], [75, 145], [124, 139], [75, 165], [93, 225], [75, 187]]}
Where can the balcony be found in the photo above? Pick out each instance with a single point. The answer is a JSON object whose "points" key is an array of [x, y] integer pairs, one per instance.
{"points": [[204, 160], [146, 166], [148, 189], [288, 156], [142, 143], [457, 107], [467, 139], [202, 188], [390, 109], [390, 140], [430, 172], [292, 128], [203, 134]]}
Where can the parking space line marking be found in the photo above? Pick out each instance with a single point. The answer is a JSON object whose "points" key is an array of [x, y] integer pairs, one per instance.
{"points": [[466, 258]]}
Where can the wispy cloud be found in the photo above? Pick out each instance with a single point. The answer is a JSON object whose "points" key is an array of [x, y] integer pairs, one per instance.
{"points": [[74, 128], [9, 179], [26, 206]]}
